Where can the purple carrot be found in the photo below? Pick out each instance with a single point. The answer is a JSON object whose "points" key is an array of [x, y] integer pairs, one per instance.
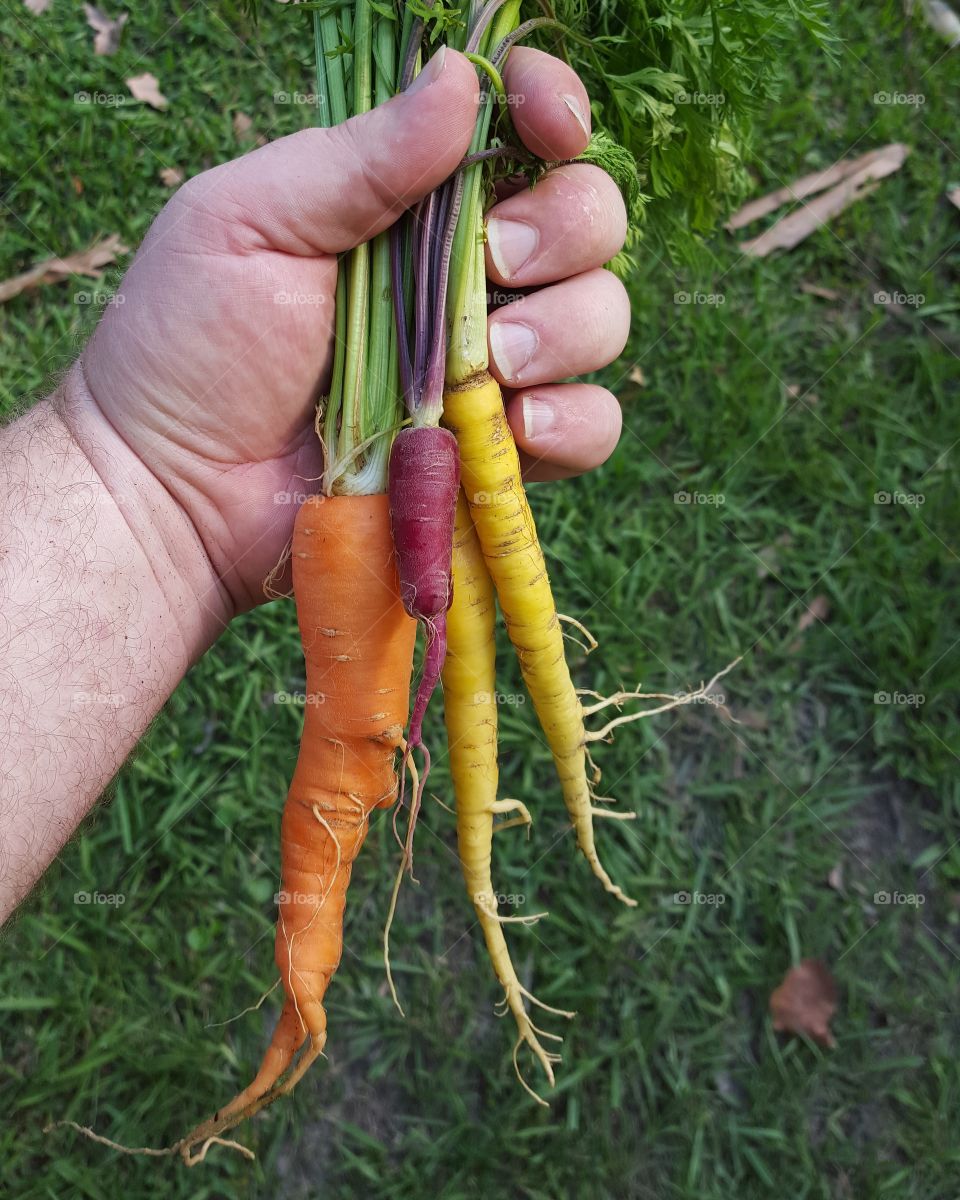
{"points": [[423, 481]]}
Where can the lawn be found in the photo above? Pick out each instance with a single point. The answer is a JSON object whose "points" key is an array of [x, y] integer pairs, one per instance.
{"points": [[765, 427]]}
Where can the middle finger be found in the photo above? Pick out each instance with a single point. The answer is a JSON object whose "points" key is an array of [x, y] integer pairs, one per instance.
{"points": [[571, 221]]}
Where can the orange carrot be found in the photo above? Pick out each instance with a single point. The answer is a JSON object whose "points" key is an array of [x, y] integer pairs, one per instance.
{"points": [[358, 646]]}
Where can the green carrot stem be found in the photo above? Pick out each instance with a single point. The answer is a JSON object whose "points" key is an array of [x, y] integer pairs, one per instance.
{"points": [[467, 293]]}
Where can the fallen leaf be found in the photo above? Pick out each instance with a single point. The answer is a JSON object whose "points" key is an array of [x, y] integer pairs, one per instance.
{"points": [[769, 563], [954, 197], [943, 20], [814, 289], [805, 1002], [107, 31], [817, 610], [243, 130], [38, 6], [146, 88], [53, 270], [770, 555], [835, 878], [171, 176], [806, 185], [796, 392], [636, 373], [792, 229]]}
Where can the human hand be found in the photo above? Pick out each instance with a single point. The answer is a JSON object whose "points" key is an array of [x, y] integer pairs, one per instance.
{"points": [[210, 368]]}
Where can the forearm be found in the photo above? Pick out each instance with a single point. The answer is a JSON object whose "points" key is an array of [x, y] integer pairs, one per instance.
{"points": [[106, 597]]}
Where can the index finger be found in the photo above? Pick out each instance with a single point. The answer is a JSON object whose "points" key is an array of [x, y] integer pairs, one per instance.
{"points": [[550, 107]]}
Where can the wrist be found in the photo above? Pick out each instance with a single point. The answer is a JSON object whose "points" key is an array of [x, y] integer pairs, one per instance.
{"points": [[186, 582]]}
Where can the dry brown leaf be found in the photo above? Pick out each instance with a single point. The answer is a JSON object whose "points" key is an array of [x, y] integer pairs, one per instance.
{"points": [[814, 289], [954, 197], [792, 229], [52, 270], [806, 185], [769, 563], [38, 6], [243, 130], [637, 376], [106, 30], [817, 610], [146, 88], [171, 176], [805, 1002], [770, 555]]}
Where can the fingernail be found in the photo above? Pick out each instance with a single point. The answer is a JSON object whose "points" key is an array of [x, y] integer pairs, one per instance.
{"points": [[577, 109], [538, 417], [512, 346], [430, 73], [511, 244]]}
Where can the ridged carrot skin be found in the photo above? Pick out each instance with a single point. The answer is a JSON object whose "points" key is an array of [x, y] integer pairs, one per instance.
{"points": [[469, 689], [423, 482], [358, 647], [490, 473]]}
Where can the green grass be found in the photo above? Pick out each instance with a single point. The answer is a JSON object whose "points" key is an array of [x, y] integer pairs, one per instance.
{"points": [[795, 409]]}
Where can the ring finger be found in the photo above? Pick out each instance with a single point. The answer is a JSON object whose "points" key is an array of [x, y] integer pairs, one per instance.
{"points": [[570, 328]]}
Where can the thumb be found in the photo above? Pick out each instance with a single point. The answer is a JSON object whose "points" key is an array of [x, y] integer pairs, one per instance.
{"points": [[322, 191]]}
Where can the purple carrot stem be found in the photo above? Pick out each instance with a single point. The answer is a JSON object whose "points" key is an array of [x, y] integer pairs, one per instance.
{"points": [[422, 309], [484, 17], [398, 242], [416, 39], [518, 34]]}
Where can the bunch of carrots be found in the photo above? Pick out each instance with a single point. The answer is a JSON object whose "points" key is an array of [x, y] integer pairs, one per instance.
{"points": [[422, 520]]}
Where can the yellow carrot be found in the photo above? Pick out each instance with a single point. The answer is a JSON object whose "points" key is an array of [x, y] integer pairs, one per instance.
{"points": [[469, 688], [490, 472]]}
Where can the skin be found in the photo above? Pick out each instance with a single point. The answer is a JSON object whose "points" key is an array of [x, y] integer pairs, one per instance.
{"points": [[138, 504]]}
